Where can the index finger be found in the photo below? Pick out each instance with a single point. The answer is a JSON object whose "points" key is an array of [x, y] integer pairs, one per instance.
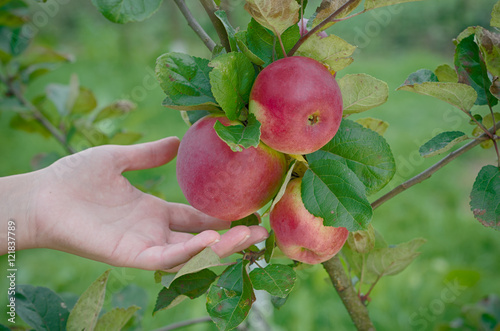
{"points": [[188, 219]]}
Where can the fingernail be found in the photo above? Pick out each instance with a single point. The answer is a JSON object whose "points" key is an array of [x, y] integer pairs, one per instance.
{"points": [[244, 240], [213, 242]]}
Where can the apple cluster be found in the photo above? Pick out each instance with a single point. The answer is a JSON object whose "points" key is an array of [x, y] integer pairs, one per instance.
{"points": [[299, 105]]}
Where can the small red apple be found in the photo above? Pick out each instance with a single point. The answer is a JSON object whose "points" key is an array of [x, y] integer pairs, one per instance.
{"points": [[222, 183], [299, 104], [300, 235]]}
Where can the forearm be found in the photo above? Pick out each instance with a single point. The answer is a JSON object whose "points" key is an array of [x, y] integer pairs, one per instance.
{"points": [[17, 211]]}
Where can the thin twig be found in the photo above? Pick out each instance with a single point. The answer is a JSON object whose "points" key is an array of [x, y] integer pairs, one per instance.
{"points": [[211, 8], [193, 23], [178, 325], [430, 171], [38, 116], [356, 309], [319, 27]]}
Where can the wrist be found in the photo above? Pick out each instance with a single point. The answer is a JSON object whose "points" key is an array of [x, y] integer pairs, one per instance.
{"points": [[18, 195]]}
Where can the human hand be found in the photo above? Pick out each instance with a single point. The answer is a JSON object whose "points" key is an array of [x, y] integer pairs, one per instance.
{"points": [[85, 206]]}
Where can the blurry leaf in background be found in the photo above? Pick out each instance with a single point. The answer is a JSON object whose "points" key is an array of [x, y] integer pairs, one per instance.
{"points": [[86, 311], [485, 197], [371, 4], [374, 124], [40, 308], [28, 123], [125, 138], [115, 319], [116, 109], [385, 261], [495, 16], [125, 11]]}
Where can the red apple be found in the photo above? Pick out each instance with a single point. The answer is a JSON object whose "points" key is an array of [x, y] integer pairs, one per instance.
{"points": [[299, 104], [300, 235], [222, 183]]}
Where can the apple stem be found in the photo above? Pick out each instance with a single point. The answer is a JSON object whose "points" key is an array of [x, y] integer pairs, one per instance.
{"points": [[282, 46]]}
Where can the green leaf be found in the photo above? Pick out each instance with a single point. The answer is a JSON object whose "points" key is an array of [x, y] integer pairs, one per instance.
{"points": [[270, 245], [361, 92], [205, 259], [115, 319], [116, 109], [371, 4], [278, 302], [277, 279], [374, 124], [84, 103], [275, 15], [459, 95], [384, 261], [495, 16], [330, 190], [445, 73], [252, 219], [485, 197], [124, 11], [421, 76], [241, 39], [487, 122], [231, 79], [489, 44], [185, 81], [190, 285], [40, 308], [59, 95], [471, 70], [239, 137], [222, 16], [125, 138], [364, 151], [332, 51], [229, 301], [27, 123], [265, 45], [442, 143], [328, 7], [86, 311]]}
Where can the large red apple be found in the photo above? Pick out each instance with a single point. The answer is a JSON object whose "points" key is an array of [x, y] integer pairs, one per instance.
{"points": [[299, 104], [300, 235], [222, 183]]}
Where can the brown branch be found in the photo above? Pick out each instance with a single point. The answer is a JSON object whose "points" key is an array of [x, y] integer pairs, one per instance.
{"points": [[319, 27], [211, 8], [430, 171], [38, 115], [356, 309], [193, 23]]}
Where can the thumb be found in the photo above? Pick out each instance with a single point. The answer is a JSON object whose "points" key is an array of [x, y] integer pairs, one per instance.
{"points": [[148, 155]]}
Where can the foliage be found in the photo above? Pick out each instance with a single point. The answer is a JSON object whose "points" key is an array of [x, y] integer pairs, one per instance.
{"points": [[359, 157]]}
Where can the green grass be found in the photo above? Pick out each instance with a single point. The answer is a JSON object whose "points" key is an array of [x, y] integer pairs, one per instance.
{"points": [[458, 247]]}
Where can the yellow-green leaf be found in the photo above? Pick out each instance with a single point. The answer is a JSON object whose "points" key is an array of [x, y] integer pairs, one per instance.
{"points": [[445, 73], [332, 51], [361, 92], [276, 15], [374, 124], [371, 4]]}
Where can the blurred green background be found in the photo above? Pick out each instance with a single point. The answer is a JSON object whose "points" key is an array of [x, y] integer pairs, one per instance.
{"points": [[117, 61]]}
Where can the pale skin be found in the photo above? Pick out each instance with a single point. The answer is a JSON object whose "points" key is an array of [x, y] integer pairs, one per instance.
{"points": [[83, 205]]}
